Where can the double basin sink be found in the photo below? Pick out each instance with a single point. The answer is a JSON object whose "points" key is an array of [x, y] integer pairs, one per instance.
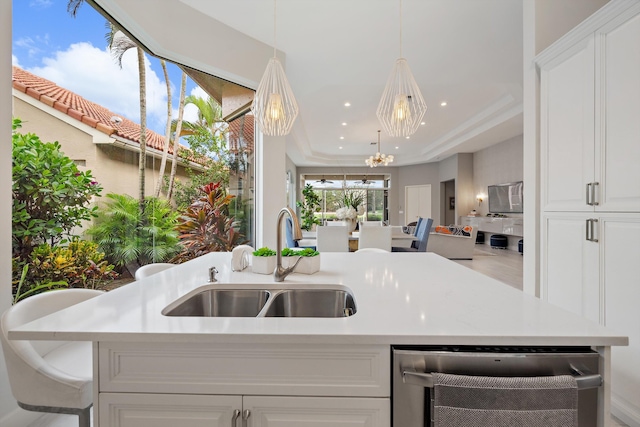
{"points": [[244, 300]]}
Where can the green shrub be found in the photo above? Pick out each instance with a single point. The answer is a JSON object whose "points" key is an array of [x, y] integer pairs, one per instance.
{"points": [[51, 196], [78, 265], [127, 236], [264, 252]]}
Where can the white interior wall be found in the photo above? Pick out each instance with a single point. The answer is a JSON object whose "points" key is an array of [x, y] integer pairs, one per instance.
{"points": [[7, 403], [499, 164]]}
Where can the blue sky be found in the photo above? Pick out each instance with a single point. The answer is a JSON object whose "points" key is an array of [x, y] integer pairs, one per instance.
{"points": [[72, 52]]}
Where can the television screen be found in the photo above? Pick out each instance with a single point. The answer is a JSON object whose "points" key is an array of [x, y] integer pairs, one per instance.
{"points": [[506, 198]]}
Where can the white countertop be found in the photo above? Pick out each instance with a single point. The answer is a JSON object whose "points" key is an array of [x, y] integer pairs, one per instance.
{"points": [[401, 298]]}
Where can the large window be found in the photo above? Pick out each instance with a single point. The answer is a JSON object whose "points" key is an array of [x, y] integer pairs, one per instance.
{"points": [[331, 189]]}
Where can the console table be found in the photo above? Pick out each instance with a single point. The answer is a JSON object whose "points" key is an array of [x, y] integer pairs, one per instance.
{"points": [[509, 226]]}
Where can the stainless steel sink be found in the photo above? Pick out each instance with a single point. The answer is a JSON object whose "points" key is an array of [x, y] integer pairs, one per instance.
{"points": [[311, 303], [220, 303], [253, 301]]}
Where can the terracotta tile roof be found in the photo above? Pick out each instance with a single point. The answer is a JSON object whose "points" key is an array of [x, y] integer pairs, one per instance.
{"points": [[81, 109]]}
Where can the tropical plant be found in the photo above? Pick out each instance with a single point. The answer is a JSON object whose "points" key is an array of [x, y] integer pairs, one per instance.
{"points": [[206, 225], [187, 191], [309, 206], [132, 238], [78, 265], [51, 196]]}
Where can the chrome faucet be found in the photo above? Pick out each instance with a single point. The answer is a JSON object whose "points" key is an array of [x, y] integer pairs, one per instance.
{"points": [[280, 273]]}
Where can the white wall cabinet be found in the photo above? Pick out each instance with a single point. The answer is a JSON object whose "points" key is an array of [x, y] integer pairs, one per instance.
{"points": [[193, 385], [171, 410], [590, 102], [590, 183]]}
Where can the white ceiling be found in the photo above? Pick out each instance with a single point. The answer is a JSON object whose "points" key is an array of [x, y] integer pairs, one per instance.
{"points": [[465, 52]]}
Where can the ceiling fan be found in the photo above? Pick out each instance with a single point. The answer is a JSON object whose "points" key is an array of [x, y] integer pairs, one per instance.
{"points": [[324, 181], [365, 181]]}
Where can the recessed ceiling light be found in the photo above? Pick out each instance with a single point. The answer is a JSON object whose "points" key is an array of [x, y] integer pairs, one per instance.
{"points": [[408, 137], [443, 104], [342, 137], [397, 148], [344, 123], [347, 104], [340, 148], [423, 123]]}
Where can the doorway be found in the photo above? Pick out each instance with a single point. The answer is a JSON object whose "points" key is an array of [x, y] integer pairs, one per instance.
{"points": [[448, 202]]}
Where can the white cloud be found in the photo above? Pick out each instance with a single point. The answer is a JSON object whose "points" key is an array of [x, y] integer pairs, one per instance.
{"points": [[14, 61], [93, 74]]}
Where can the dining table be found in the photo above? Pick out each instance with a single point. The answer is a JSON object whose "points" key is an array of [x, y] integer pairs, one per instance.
{"points": [[398, 239]]}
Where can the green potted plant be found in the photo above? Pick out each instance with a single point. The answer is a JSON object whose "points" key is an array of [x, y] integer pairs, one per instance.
{"points": [[308, 264], [309, 206], [263, 261]]}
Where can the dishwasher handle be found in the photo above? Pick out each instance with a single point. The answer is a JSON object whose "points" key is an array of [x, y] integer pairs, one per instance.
{"points": [[426, 380]]}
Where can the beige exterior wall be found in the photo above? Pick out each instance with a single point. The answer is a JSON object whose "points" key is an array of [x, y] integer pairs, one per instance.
{"points": [[113, 166]]}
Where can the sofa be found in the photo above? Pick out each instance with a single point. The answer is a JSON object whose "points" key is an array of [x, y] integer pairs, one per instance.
{"points": [[453, 241]]}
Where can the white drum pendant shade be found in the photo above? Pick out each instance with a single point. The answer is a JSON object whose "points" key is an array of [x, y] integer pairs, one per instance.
{"points": [[274, 105], [402, 106]]}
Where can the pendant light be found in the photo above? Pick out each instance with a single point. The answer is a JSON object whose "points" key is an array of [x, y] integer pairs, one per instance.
{"points": [[402, 106], [274, 105], [379, 159]]}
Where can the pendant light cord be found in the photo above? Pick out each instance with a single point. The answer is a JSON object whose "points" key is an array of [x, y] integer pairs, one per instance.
{"points": [[275, 6], [400, 28]]}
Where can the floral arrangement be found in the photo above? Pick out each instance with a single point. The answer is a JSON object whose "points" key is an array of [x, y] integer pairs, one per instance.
{"points": [[346, 212]]}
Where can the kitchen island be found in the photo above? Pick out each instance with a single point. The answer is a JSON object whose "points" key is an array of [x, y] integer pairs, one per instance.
{"points": [[170, 370]]}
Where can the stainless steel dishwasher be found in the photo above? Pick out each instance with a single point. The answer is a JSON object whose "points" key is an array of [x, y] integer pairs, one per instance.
{"points": [[412, 391]]}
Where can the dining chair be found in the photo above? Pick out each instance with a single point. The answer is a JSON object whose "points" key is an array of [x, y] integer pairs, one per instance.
{"points": [[49, 376], [153, 268], [369, 250], [422, 237], [370, 224], [332, 238], [375, 237]]}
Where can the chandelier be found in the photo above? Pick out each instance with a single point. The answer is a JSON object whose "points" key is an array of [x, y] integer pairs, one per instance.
{"points": [[402, 106], [379, 159], [274, 106]]}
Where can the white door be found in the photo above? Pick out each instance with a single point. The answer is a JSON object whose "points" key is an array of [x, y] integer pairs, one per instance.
{"points": [[570, 265], [167, 410], [567, 130], [275, 411], [417, 202], [618, 126]]}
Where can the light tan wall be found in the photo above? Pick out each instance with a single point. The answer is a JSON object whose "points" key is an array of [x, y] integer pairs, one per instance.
{"points": [[114, 167]]}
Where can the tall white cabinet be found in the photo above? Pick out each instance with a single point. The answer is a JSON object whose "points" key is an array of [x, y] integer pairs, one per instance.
{"points": [[590, 183]]}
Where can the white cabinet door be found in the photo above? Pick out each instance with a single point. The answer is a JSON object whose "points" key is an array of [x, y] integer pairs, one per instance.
{"points": [[620, 240], [570, 265], [618, 112], [566, 129], [274, 411], [167, 410]]}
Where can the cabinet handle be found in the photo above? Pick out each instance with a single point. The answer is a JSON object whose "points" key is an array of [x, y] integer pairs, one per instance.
{"points": [[593, 239], [245, 416], [234, 418], [587, 229], [594, 199], [588, 197]]}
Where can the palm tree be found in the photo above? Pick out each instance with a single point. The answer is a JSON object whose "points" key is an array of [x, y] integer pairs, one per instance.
{"points": [[119, 44], [178, 132], [167, 130], [209, 130]]}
